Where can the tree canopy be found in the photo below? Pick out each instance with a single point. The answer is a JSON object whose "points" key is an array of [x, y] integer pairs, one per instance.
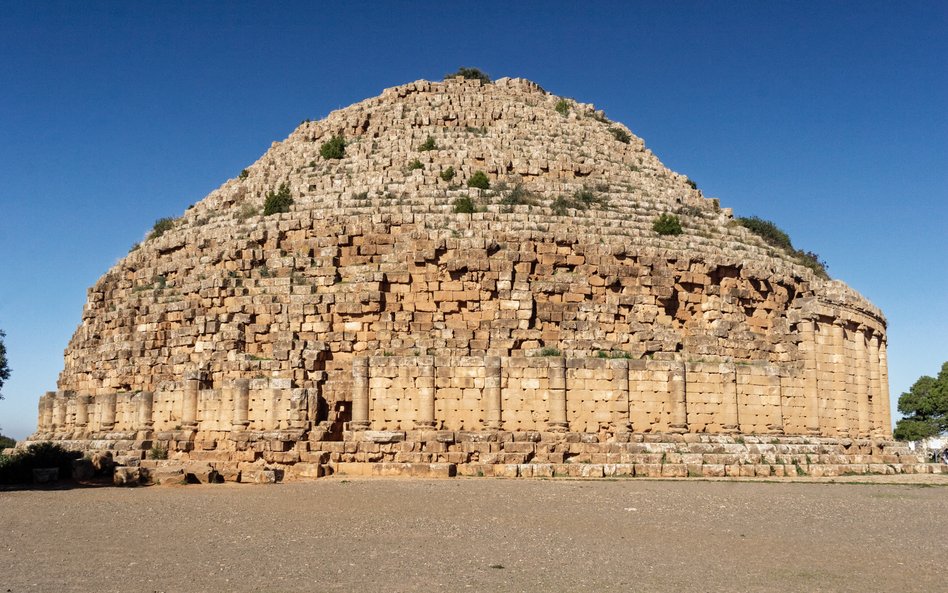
{"points": [[4, 367], [925, 408]]}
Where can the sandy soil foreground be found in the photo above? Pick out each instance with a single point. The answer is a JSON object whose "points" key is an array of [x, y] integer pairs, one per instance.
{"points": [[480, 535]]}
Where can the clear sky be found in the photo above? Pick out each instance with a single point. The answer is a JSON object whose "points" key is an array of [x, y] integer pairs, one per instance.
{"points": [[829, 118]]}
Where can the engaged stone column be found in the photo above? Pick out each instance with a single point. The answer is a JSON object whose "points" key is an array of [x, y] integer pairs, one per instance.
{"points": [[107, 401], [360, 394], [82, 410], [875, 389], [43, 422], [730, 419], [492, 393], [862, 384], [840, 398], [775, 391], [557, 380], [241, 405], [884, 390], [426, 393], [48, 402], [676, 390], [622, 420], [192, 384], [146, 404], [275, 398], [59, 411], [811, 385]]}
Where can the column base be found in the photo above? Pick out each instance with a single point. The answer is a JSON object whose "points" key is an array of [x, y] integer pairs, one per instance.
{"points": [[678, 428], [239, 426], [730, 429], [557, 426], [425, 425], [356, 426], [494, 425]]}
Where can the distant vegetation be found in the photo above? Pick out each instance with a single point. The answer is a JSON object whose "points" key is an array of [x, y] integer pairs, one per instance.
{"points": [[243, 174], [334, 148], [667, 224], [415, 164], [429, 144], [448, 174], [4, 366], [471, 74], [562, 107], [776, 237], [924, 408], [278, 201]]}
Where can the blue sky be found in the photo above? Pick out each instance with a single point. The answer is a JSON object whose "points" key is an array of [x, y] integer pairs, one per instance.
{"points": [[829, 118]]}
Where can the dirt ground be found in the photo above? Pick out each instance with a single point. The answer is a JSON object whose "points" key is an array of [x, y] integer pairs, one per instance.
{"points": [[481, 535]]}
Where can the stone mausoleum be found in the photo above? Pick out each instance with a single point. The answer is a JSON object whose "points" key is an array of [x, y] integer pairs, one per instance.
{"points": [[469, 281]]}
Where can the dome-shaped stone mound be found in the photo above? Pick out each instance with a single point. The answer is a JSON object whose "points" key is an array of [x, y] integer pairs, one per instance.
{"points": [[471, 258]]}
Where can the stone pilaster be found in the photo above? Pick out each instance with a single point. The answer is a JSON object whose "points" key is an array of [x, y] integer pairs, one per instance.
{"points": [[145, 408], [861, 381], [360, 394], [875, 388], [557, 395], [622, 421], [884, 392], [241, 392], [811, 386], [492, 393], [82, 411], [775, 392], [840, 397], [107, 401], [679, 403], [730, 415], [426, 393], [192, 384]]}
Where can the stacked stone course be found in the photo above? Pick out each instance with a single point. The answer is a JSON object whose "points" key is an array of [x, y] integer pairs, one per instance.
{"points": [[373, 308]]}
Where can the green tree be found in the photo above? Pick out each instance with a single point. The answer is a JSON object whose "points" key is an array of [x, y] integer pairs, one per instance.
{"points": [[925, 408], [4, 367]]}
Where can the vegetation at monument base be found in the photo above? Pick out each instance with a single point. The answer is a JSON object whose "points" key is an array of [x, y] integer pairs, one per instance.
{"points": [[18, 468], [4, 367], [925, 407], [278, 201]]}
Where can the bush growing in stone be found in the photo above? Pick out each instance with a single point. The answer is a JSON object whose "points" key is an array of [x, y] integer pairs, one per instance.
{"points": [[334, 148], [471, 74], [464, 205], [278, 201], [667, 224], [162, 225], [447, 174], [479, 180], [620, 135]]}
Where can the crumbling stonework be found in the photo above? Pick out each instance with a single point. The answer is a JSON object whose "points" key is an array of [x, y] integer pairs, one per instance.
{"points": [[553, 311]]}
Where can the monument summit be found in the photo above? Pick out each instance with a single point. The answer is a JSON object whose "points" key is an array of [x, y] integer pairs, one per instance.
{"points": [[476, 278]]}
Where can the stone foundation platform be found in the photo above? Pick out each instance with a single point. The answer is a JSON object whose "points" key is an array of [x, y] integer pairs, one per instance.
{"points": [[266, 457]]}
